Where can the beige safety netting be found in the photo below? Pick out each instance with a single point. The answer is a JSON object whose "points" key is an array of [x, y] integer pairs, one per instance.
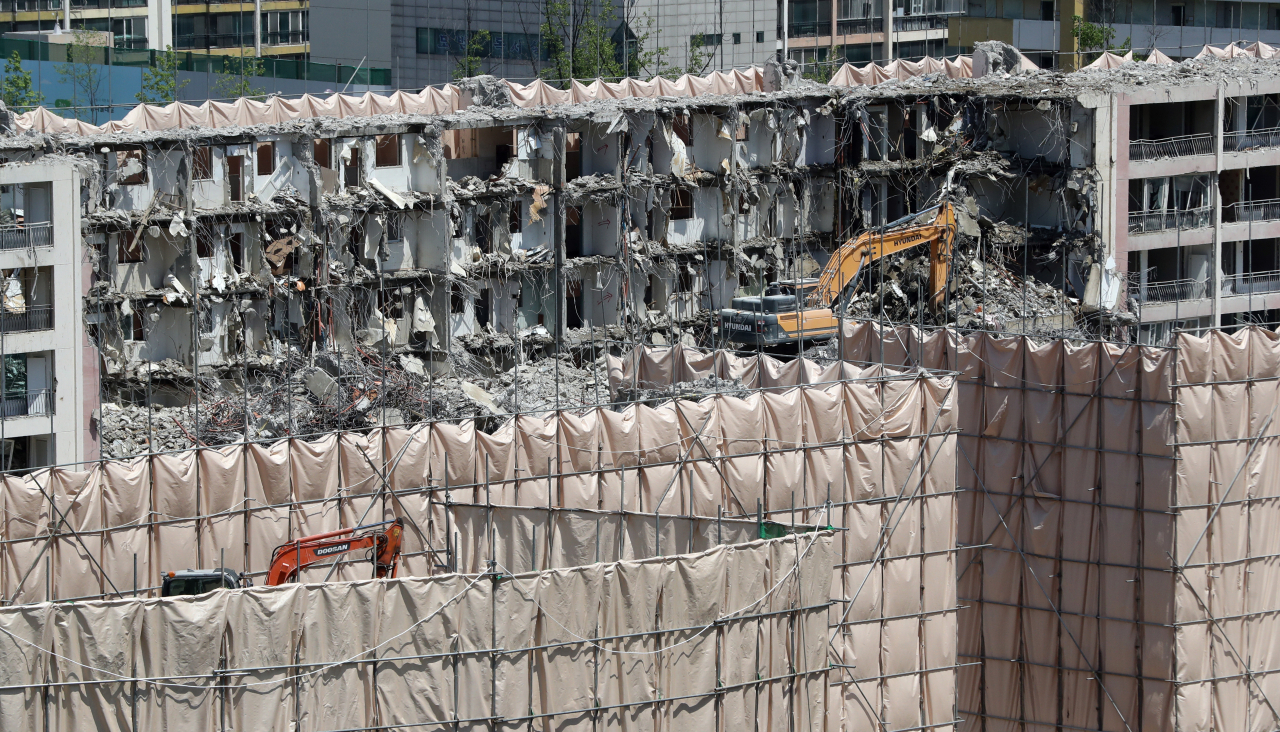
{"points": [[1122, 504], [449, 98], [868, 449], [735, 635], [1125, 500]]}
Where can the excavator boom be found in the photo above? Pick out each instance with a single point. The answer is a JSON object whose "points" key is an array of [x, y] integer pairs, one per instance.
{"points": [[802, 310], [289, 559]]}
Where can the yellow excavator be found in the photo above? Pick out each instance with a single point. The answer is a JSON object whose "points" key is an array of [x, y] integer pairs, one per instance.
{"points": [[791, 311]]}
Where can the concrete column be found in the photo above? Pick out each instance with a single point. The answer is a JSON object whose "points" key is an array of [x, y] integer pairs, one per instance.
{"points": [[257, 28], [557, 230], [888, 31], [1216, 264], [1068, 56]]}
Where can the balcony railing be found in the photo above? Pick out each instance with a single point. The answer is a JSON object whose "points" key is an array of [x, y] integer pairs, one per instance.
{"points": [[1141, 222], [26, 236], [1171, 147], [919, 23], [1169, 291], [1245, 211], [859, 26], [1251, 139], [1251, 283], [35, 317], [34, 403], [28, 6]]}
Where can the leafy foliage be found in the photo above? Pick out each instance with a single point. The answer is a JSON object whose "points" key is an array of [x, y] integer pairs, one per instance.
{"points": [[470, 64], [16, 89], [160, 85], [236, 77]]}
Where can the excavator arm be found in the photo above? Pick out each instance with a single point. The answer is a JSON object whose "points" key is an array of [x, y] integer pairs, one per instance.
{"points": [[854, 255], [289, 559]]}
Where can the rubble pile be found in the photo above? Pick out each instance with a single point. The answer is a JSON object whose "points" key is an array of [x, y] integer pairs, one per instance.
{"points": [[337, 392], [986, 288]]}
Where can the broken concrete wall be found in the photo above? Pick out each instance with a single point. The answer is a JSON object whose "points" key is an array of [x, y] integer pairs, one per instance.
{"points": [[438, 238]]}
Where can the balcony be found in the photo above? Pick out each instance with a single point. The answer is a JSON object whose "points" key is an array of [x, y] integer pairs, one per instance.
{"points": [[35, 317], [1251, 283], [1169, 291], [1251, 140], [859, 26], [26, 236], [1246, 211], [32, 404], [29, 6], [1144, 222], [1171, 147], [920, 22]]}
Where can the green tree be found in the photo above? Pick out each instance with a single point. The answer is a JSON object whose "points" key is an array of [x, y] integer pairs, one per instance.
{"points": [[700, 54], [578, 41], [472, 62], [160, 84], [1092, 39], [595, 54], [16, 89], [83, 73], [236, 77]]}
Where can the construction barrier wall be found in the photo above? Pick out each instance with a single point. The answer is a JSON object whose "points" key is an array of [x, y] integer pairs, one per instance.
{"points": [[714, 640], [1117, 523], [867, 449]]}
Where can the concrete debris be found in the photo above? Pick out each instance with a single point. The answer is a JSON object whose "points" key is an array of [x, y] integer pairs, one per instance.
{"points": [[403, 267]]}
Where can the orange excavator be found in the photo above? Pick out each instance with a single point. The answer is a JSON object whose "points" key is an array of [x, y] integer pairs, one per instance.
{"points": [[382, 540], [794, 310]]}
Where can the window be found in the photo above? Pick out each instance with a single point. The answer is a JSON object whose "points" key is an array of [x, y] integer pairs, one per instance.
{"points": [[351, 169], [235, 171], [457, 303], [128, 250], [1178, 14], [680, 126], [236, 243], [204, 243], [737, 38], [131, 167], [387, 151], [445, 42], [684, 279], [1046, 9], [266, 158], [395, 227], [131, 327], [741, 133], [202, 163], [322, 153], [516, 219], [702, 40], [284, 28], [759, 36], [482, 308], [681, 204]]}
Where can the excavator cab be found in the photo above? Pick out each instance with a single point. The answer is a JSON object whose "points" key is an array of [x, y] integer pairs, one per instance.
{"points": [[778, 316], [198, 582]]}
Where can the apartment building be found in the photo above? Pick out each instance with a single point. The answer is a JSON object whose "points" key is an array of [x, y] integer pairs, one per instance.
{"points": [[429, 38], [1201, 166], [50, 381], [281, 28], [1042, 29], [495, 230]]}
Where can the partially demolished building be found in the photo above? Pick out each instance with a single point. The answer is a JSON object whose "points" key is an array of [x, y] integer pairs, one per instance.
{"points": [[243, 258], [494, 321]]}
